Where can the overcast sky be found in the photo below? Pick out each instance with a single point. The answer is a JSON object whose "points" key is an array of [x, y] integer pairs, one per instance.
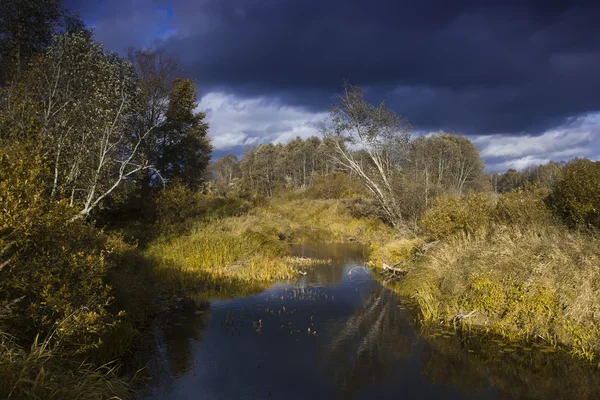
{"points": [[520, 78]]}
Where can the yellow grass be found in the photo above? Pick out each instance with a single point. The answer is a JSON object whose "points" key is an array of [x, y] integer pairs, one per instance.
{"points": [[244, 254], [542, 281]]}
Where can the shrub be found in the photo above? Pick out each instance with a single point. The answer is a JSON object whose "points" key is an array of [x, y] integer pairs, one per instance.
{"points": [[177, 206], [451, 214], [364, 208], [333, 186], [411, 197], [575, 196], [523, 207], [52, 269]]}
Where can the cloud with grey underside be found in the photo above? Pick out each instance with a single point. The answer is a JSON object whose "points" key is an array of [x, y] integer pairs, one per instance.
{"points": [[510, 69]]}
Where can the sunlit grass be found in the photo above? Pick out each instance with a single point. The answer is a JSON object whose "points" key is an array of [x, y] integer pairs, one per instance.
{"points": [[246, 253], [326, 220], [540, 281]]}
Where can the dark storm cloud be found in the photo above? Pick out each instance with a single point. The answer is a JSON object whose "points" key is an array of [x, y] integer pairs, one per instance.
{"points": [[479, 67], [120, 24], [525, 68], [472, 66]]}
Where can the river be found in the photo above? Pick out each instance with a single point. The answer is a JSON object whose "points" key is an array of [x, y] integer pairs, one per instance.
{"points": [[336, 333]]}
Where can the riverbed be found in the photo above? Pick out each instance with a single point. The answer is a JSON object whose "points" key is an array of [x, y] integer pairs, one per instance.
{"points": [[337, 333]]}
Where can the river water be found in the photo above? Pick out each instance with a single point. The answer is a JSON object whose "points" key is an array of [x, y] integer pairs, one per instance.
{"points": [[336, 333]]}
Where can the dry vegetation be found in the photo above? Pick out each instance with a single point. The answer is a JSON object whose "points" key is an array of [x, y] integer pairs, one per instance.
{"points": [[507, 265], [43, 373], [245, 253], [73, 297]]}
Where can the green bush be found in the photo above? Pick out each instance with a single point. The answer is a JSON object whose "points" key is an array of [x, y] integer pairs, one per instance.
{"points": [[575, 196]]}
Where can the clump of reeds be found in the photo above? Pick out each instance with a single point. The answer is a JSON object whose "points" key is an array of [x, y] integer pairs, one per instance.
{"points": [[514, 270], [42, 372]]}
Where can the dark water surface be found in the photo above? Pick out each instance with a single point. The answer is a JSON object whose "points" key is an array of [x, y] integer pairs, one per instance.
{"points": [[338, 334]]}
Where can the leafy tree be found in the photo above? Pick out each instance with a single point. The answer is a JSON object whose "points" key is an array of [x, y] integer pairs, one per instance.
{"points": [[156, 73], [575, 196], [324, 157], [261, 168], [293, 162], [79, 103], [543, 175], [226, 168], [248, 171], [51, 271], [225, 173], [298, 161], [382, 137], [26, 28], [444, 162], [540, 175], [510, 180], [293, 165], [267, 175]]}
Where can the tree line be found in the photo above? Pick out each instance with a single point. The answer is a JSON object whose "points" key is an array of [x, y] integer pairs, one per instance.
{"points": [[401, 173], [370, 144]]}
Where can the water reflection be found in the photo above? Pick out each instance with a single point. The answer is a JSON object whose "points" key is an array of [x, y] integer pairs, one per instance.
{"points": [[337, 333], [365, 345], [471, 364], [169, 352], [182, 328], [338, 255]]}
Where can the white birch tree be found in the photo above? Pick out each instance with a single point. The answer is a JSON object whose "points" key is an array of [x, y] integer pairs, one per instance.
{"points": [[355, 125], [87, 101]]}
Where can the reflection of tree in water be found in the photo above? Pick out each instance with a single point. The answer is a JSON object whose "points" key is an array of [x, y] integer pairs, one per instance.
{"points": [[343, 252], [330, 274], [516, 373], [364, 345], [339, 254], [181, 329], [454, 371]]}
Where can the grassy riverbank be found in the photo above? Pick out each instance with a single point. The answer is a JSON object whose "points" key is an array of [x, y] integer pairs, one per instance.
{"points": [[503, 264], [245, 253], [201, 245]]}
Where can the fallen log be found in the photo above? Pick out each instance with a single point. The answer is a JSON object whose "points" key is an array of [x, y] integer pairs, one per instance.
{"points": [[393, 268]]}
